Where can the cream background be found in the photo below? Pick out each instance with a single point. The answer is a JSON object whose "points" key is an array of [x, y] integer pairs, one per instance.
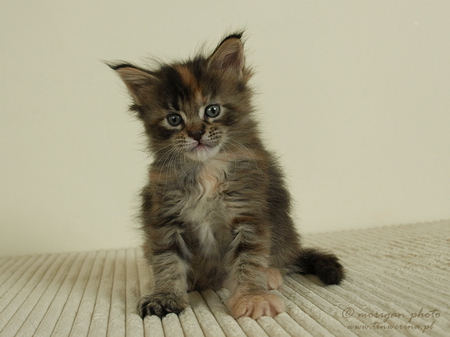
{"points": [[354, 96]]}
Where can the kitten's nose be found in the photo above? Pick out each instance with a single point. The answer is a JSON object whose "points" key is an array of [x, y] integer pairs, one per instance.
{"points": [[196, 134]]}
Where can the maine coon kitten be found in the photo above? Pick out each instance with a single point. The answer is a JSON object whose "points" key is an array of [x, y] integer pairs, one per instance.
{"points": [[215, 212]]}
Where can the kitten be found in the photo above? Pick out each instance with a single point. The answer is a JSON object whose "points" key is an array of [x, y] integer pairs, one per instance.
{"points": [[215, 212]]}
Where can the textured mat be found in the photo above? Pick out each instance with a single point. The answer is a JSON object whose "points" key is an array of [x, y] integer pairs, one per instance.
{"points": [[397, 284]]}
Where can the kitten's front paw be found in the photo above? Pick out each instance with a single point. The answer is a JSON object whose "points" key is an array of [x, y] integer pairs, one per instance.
{"points": [[161, 304], [255, 305]]}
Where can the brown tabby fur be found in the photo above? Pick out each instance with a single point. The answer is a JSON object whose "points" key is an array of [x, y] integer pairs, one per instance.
{"points": [[216, 211]]}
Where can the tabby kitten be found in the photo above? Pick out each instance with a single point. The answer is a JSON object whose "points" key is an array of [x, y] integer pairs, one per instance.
{"points": [[215, 212]]}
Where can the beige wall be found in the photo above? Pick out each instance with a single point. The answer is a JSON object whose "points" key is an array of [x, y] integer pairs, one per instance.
{"points": [[354, 97]]}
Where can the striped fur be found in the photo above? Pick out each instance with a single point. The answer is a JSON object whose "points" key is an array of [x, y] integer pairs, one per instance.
{"points": [[215, 211]]}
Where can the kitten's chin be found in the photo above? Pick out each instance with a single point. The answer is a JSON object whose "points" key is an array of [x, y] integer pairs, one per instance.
{"points": [[203, 152]]}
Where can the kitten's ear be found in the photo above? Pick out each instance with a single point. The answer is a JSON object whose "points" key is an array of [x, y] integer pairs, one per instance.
{"points": [[138, 81], [229, 56]]}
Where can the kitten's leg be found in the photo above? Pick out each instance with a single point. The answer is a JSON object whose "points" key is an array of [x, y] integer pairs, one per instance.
{"points": [[248, 278], [170, 269], [325, 266], [274, 278]]}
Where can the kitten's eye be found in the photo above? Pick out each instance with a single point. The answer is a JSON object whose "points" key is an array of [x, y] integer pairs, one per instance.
{"points": [[174, 119], [212, 110]]}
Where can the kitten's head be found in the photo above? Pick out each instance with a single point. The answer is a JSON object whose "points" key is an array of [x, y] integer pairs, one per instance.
{"points": [[194, 109]]}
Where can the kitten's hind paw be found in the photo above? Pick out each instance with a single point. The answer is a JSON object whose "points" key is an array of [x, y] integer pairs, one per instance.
{"points": [[255, 306], [161, 304], [325, 266]]}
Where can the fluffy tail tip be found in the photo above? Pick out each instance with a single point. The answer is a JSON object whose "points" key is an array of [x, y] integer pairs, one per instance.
{"points": [[324, 265]]}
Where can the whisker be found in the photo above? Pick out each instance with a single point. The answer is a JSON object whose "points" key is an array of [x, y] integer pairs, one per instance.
{"points": [[248, 150]]}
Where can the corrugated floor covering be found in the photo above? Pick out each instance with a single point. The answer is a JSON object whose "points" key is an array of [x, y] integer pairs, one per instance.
{"points": [[397, 284]]}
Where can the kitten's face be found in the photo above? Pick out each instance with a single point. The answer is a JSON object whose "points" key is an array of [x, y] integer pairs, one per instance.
{"points": [[198, 134], [195, 109], [187, 117]]}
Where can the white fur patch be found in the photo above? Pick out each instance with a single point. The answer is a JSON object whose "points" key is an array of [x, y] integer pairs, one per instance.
{"points": [[205, 208], [211, 176]]}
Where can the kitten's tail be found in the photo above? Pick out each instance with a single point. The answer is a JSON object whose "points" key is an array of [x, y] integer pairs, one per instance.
{"points": [[324, 265]]}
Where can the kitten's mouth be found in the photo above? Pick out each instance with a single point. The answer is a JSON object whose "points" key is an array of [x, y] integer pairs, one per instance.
{"points": [[202, 147], [202, 151]]}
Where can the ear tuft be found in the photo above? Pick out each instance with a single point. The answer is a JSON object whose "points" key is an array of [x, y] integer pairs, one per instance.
{"points": [[229, 55], [137, 80]]}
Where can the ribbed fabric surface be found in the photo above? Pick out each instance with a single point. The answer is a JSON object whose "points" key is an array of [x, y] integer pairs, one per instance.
{"points": [[397, 284]]}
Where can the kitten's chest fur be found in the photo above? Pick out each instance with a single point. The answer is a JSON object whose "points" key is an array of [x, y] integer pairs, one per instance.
{"points": [[203, 206]]}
